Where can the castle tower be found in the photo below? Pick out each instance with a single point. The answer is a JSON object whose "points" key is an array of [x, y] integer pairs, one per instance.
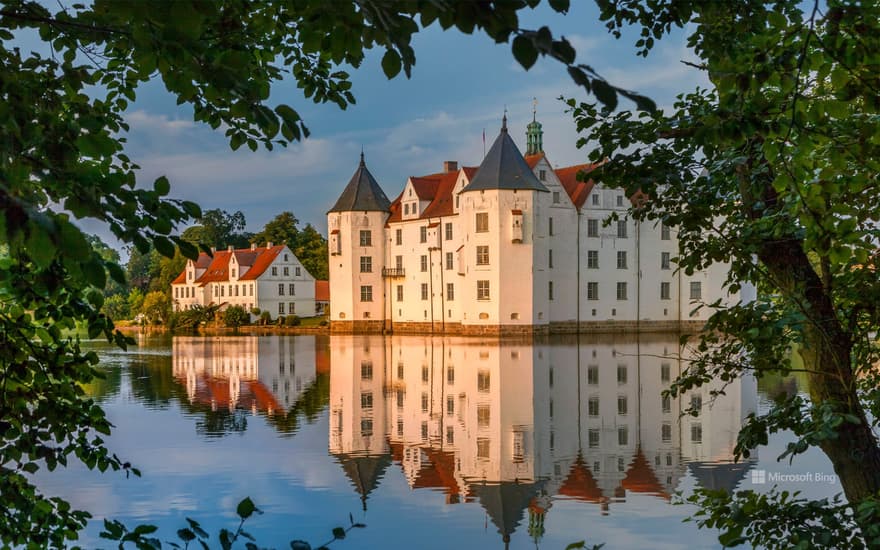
{"points": [[500, 212], [357, 252]]}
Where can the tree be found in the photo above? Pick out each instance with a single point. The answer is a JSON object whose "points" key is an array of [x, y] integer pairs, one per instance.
{"points": [[62, 157], [774, 170], [219, 229], [235, 316], [135, 302], [157, 307], [280, 229], [308, 245]]}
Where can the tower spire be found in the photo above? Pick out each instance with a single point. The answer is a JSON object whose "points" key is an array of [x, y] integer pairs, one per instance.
{"points": [[504, 121], [534, 133], [362, 156]]}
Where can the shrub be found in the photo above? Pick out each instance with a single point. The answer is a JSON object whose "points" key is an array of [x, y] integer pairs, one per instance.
{"points": [[265, 318], [235, 316], [291, 321]]}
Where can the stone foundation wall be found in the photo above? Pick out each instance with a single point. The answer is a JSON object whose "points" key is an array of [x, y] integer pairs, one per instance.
{"points": [[563, 327]]}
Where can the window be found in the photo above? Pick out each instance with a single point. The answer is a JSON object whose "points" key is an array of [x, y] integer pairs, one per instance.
{"points": [[366, 293], [664, 291], [398, 262], [592, 291], [482, 221], [621, 374], [236, 289], [696, 433], [482, 290], [398, 237], [664, 260], [424, 402], [286, 271], [297, 271], [621, 259], [449, 260], [555, 196], [450, 435], [593, 438], [450, 405], [550, 226], [622, 440], [664, 372], [621, 229], [550, 258], [549, 290], [366, 264], [424, 291], [423, 234], [666, 404], [483, 381], [399, 293], [621, 291], [448, 231], [619, 200], [483, 416], [696, 402], [483, 447], [450, 376], [696, 290], [424, 263], [281, 289], [593, 406], [622, 405], [291, 308], [366, 237], [406, 209], [666, 432], [542, 175], [425, 374], [366, 427], [593, 375], [596, 199], [450, 291], [592, 228], [367, 400], [251, 292], [482, 255], [281, 308], [664, 232], [592, 259], [274, 271]]}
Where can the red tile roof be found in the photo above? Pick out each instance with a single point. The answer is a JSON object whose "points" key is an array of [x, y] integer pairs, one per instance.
{"points": [[434, 187], [640, 478], [578, 191], [532, 160], [266, 257], [580, 483], [322, 291], [217, 268]]}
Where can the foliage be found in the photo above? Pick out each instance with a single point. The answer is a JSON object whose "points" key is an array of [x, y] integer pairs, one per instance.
{"points": [[135, 301], [773, 171], [116, 307], [265, 318], [219, 229], [190, 319], [292, 321], [117, 532], [157, 307], [62, 158], [235, 316], [112, 287], [308, 245]]}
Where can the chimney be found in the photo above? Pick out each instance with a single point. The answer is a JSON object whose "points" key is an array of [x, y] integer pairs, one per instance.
{"points": [[229, 248], [253, 246], [269, 244], [213, 250], [450, 166]]}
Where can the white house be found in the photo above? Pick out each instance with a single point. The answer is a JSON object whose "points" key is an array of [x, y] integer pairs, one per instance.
{"points": [[270, 278], [511, 246]]}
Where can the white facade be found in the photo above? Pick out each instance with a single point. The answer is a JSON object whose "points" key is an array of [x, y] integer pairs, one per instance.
{"points": [[445, 257], [269, 278]]}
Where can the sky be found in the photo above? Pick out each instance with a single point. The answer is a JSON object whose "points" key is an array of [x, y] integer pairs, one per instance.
{"points": [[460, 86]]}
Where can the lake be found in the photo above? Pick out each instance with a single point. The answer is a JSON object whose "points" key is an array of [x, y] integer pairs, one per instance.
{"points": [[432, 442]]}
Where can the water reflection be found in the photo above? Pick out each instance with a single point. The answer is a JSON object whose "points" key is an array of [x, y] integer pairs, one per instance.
{"points": [[225, 378], [518, 426]]}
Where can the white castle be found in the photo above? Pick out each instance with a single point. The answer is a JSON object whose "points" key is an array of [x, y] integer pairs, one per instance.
{"points": [[512, 246]]}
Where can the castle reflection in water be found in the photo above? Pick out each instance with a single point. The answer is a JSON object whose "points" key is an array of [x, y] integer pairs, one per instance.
{"points": [[513, 426]]}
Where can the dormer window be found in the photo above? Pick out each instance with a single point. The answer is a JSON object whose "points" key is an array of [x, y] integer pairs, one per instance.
{"points": [[285, 257], [542, 175]]}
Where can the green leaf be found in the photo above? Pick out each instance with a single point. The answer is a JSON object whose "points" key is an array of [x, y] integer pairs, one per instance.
{"points": [[162, 186], [391, 63], [164, 246], [524, 51], [338, 533], [246, 508], [560, 6], [605, 93]]}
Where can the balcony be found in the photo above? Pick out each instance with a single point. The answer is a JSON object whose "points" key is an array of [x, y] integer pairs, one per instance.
{"points": [[393, 272]]}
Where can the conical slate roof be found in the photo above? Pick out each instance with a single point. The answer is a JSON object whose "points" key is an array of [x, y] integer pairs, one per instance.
{"points": [[720, 475], [364, 472], [504, 168], [362, 193], [505, 502]]}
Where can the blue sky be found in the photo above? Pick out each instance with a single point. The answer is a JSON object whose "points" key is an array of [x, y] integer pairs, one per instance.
{"points": [[460, 85]]}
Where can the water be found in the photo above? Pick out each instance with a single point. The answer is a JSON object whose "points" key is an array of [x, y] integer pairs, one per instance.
{"points": [[431, 442]]}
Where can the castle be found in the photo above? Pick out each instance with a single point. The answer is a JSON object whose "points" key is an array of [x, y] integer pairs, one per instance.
{"points": [[513, 246]]}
